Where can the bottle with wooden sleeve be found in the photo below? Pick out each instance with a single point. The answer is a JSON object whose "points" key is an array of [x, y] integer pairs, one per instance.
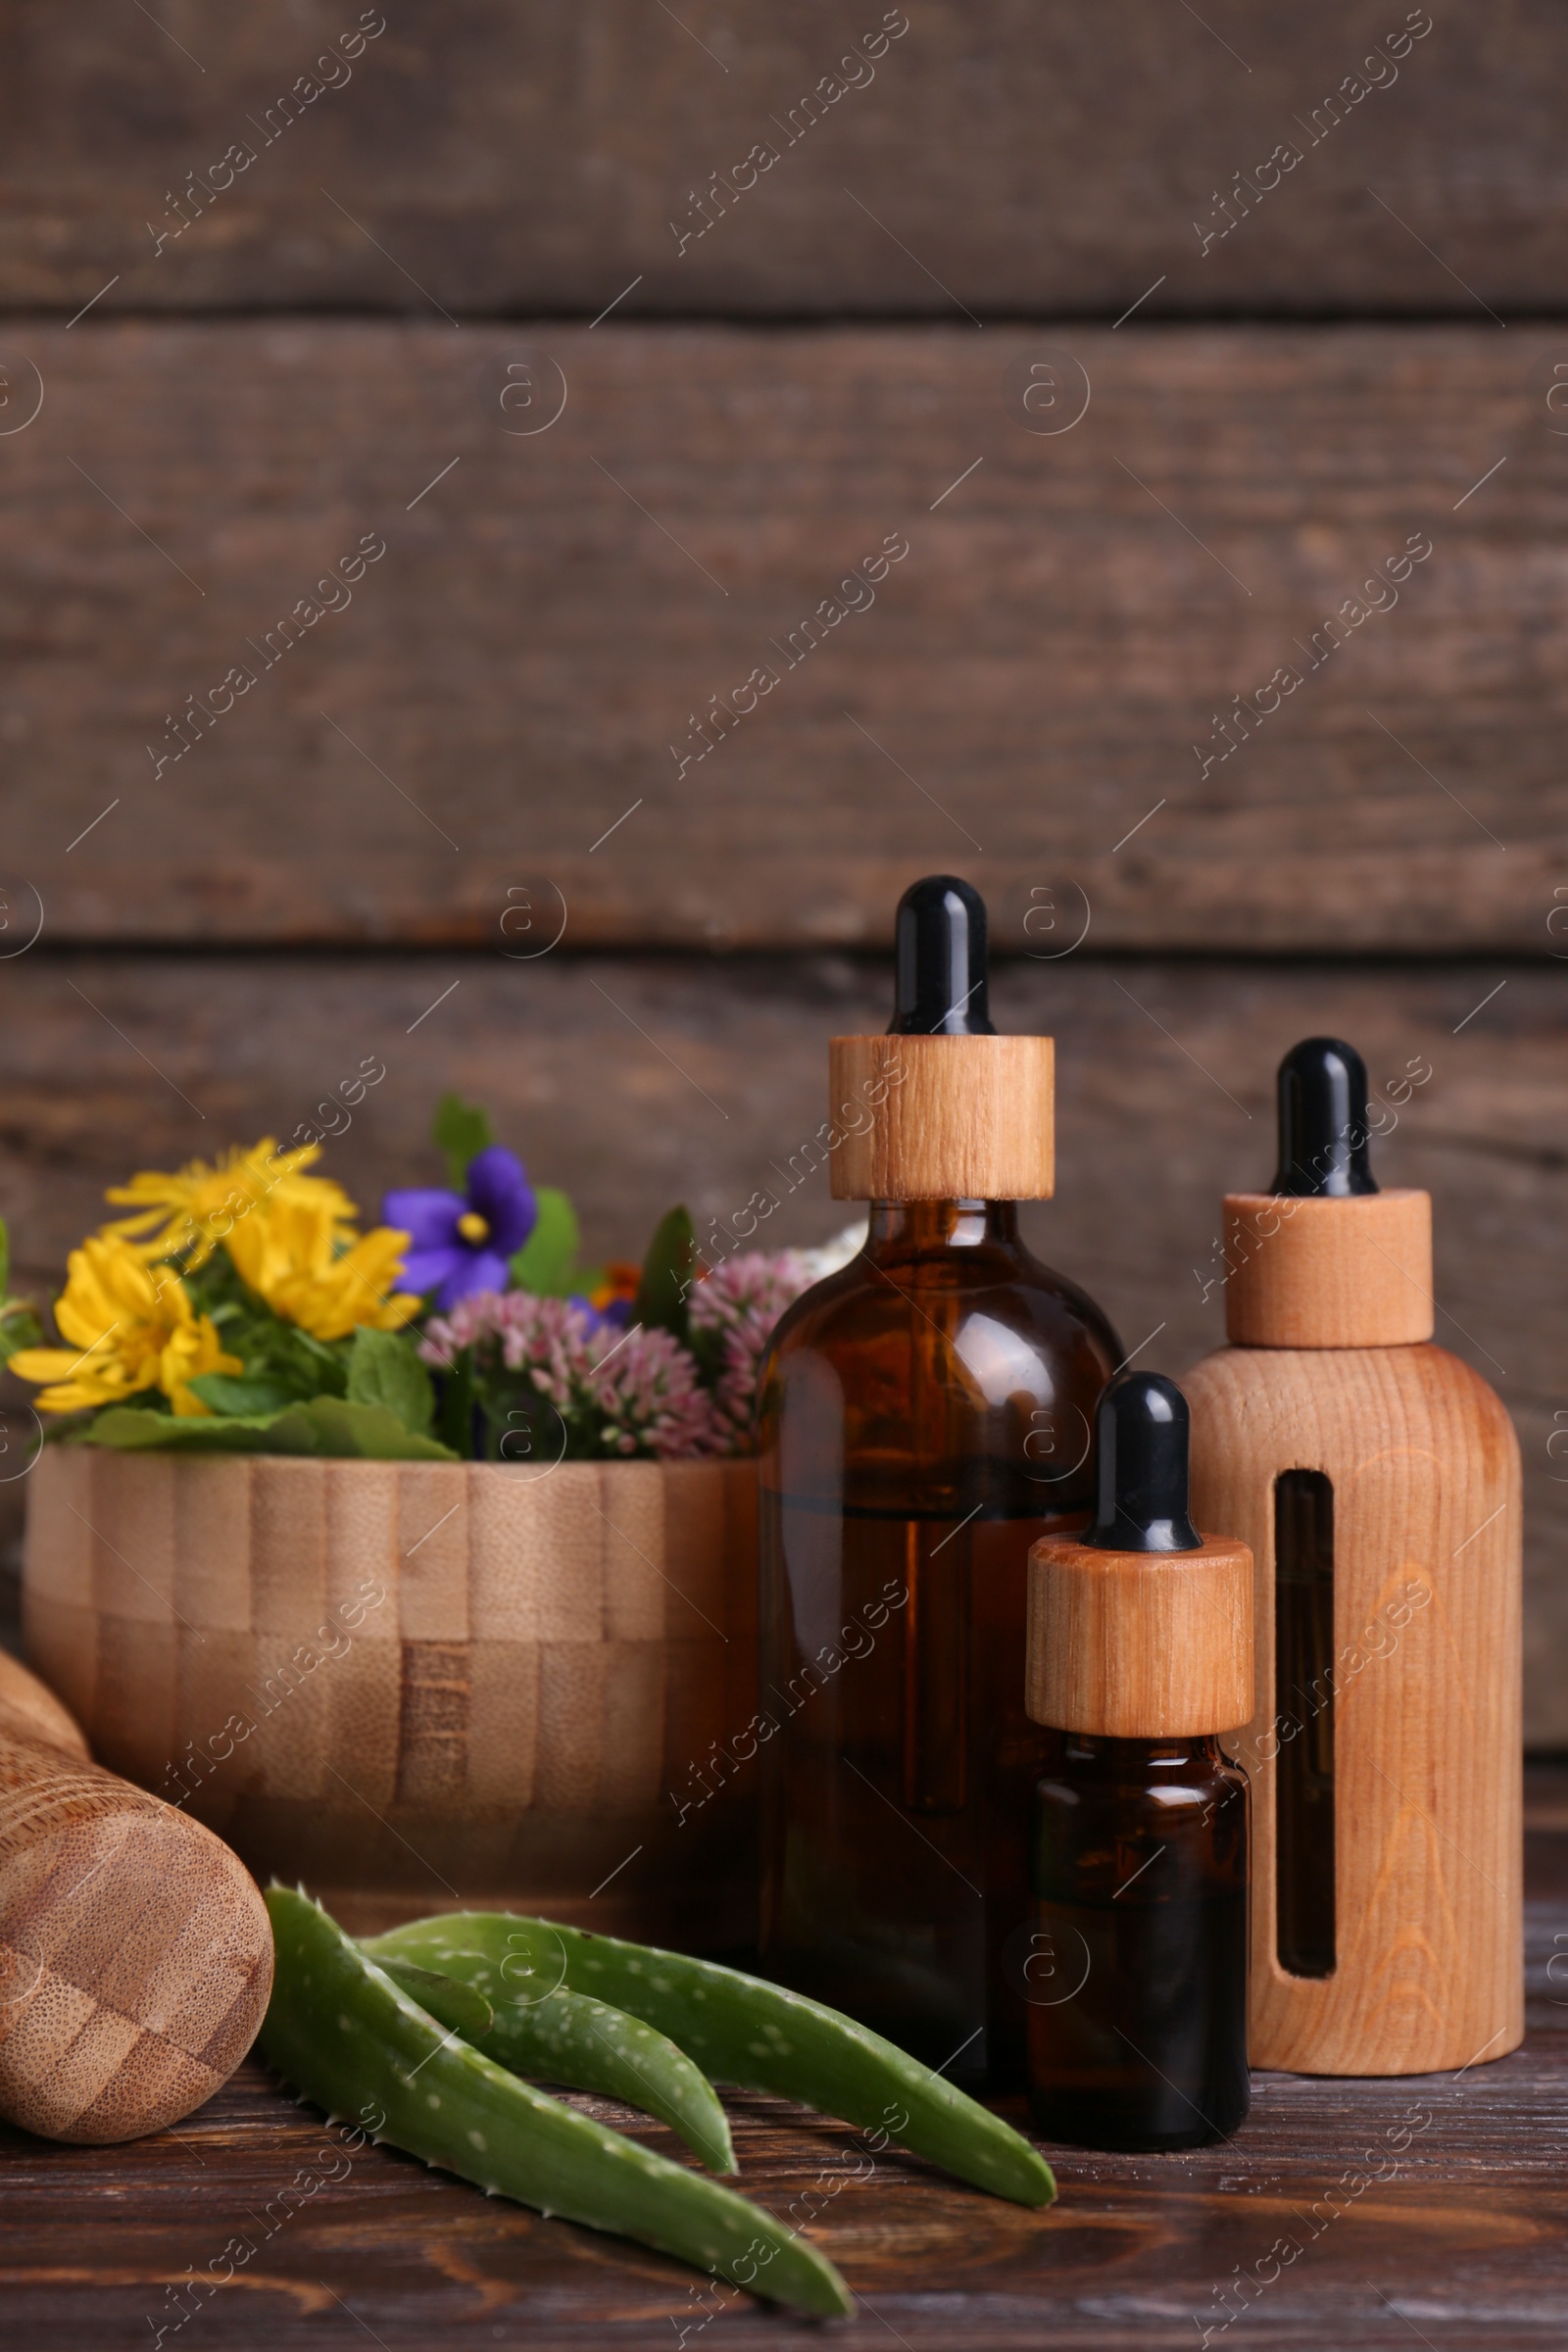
{"points": [[1376, 1478], [1140, 1656], [926, 1413]]}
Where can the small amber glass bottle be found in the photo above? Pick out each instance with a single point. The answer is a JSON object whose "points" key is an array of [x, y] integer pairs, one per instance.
{"points": [[1140, 1654], [926, 1413]]}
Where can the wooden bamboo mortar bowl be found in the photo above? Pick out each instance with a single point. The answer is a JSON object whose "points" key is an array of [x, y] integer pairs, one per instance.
{"points": [[1139, 1645], [424, 1685], [136, 1951]]}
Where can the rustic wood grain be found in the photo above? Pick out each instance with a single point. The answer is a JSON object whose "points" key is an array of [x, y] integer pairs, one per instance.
{"points": [[1423, 1668], [1139, 1644], [639, 1081], [1304, 1272], [1027, 159], [932, 1118], [256, 2216], [484, 745]]}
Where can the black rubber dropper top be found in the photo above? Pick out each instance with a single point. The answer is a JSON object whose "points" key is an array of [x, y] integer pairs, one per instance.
{"points": [[941, 941], [1323, 1130], [1142, 1426]]}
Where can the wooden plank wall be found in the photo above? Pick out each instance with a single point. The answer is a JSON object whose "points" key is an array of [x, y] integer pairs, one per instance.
{"points": [[426, 434]]}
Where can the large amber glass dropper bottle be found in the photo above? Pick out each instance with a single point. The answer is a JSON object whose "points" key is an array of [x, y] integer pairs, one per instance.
{"points": [[927, 1413]]}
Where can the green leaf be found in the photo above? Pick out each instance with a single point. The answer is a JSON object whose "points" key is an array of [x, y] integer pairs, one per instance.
{"points": [[462, 1130], [666, 1277], [20, 1328], [373, 1431], [282, 1355], [135, 1429], [546, 1264], [250, 1400], [462, 2007], [327, 1425], [384, 1370], [456, 1404]]}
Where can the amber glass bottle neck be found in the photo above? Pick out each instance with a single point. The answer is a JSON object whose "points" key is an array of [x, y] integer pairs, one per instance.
{"points": [[1128, 1759], [905, 1225]]}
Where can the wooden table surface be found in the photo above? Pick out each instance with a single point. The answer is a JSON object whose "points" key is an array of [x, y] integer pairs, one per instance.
{"points": [[1460, 2240]]}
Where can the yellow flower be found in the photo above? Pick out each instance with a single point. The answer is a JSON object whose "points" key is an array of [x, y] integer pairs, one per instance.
{"points": [[291, 1251], [200, 1207], [133, 1328]]}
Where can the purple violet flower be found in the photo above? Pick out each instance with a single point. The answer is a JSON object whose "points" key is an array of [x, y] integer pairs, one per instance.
{"points": [[462, 1243]]}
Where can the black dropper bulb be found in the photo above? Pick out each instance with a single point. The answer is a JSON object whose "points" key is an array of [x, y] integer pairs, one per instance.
{"points": [[1142, 1426], [1323, 1130], [941, 941]]}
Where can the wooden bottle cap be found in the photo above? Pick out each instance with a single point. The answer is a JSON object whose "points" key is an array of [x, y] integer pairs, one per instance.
{"points": [[1139, 1645], [1321, 1272], [943, 1118]]}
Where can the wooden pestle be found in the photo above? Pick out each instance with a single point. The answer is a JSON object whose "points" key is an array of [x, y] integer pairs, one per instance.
{"points": [[136, 1951]]}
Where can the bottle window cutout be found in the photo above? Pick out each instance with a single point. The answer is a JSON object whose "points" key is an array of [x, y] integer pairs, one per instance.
{"points": [[1304, 1710]]}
